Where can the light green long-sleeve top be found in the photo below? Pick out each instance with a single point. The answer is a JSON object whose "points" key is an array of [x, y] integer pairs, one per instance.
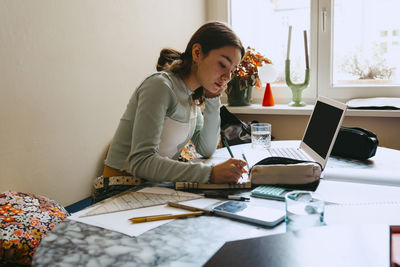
{"points": [[159, 120]]}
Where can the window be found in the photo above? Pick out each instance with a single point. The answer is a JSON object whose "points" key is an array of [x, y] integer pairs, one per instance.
{"points": [[363, 51], [353, 45]]}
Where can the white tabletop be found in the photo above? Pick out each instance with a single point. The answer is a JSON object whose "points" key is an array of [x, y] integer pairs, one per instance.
{"points": [[192, 241]]}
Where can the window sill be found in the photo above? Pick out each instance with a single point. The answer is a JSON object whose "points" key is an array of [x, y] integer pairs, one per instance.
{"points": [[283, 109]]}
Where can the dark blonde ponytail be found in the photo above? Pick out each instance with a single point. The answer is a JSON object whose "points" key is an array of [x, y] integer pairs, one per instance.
{"points": [[167, 57]]}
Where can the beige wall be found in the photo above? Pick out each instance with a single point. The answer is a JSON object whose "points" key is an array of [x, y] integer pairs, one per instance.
{"points": [[67, 69]]}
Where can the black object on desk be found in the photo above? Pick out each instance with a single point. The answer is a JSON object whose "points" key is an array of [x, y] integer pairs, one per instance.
{"points": [[226, 195], [355, 143], [356, 245]]}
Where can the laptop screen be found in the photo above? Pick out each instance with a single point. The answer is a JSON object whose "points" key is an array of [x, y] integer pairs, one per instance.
{"points": [[322, 127]]}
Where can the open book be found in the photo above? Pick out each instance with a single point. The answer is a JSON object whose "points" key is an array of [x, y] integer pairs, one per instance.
{"points": [[243, 182]]}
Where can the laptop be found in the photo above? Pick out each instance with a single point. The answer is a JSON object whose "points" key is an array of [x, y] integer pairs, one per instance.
{"points": [[320, 135]]}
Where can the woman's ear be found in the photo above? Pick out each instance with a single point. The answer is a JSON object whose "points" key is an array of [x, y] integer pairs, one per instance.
{"points": [[196, 52]]}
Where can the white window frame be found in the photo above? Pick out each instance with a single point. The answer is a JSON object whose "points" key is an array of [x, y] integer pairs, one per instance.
{"points": [[325, 84], [321, 63]]}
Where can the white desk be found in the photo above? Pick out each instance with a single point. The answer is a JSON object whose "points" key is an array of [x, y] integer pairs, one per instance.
{"points": [[385, 163], [192, 241]]}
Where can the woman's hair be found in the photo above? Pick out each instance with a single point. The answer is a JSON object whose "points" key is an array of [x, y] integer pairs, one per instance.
{"points": [[212, 35]]}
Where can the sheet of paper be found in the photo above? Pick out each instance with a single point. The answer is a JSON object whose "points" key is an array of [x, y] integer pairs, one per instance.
{"points": [[373, 213], [147, 197], [222, 155], [358, 175], [119, 221], [253, 156], [360, 203], [344, 192]]}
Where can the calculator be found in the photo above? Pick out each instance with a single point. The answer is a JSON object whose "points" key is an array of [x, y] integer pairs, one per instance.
{"points": [[271, 192]]}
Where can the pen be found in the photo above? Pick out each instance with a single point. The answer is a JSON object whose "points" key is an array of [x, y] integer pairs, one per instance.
{"points": [[239, 198], [230, 151], [231, 197], [244, 157], [186, 207], [227, 146], [164, 217]]}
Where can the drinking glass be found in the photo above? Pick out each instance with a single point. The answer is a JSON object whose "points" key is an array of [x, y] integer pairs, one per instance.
{"points": [[260, 135], [303, 209]]}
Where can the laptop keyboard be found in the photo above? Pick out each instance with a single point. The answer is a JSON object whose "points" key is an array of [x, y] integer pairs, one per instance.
{"points": [[288, 152]]}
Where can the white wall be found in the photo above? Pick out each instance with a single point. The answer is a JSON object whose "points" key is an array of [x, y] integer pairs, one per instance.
{"points": [[67, 69]]}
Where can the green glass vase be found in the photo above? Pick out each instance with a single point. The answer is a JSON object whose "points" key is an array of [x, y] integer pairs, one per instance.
{"points": [[239, 94], [297, 89]]}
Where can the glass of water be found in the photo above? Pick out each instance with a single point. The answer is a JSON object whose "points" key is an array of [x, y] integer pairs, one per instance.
{"points": [[261, 135], [303, 209]]}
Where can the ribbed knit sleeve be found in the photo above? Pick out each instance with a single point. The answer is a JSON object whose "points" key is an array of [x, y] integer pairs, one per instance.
{"points": [[207, 130], [137, 138]]}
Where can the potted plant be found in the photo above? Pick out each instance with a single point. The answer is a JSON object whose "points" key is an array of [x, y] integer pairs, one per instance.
{"points": [[245, 77]]}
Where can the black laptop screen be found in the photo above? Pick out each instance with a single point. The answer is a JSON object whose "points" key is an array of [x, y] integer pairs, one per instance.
{"points": [[322, 127]]}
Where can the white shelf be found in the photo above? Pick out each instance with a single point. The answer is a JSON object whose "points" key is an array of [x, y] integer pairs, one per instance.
{"points": [[284, 109]]}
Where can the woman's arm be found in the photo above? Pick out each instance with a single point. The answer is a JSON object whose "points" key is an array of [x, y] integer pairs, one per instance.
{"points": [[154, 100], [206, 135]]}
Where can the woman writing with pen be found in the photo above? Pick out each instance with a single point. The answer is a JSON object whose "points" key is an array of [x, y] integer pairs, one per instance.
{"points": [[164, 113]]}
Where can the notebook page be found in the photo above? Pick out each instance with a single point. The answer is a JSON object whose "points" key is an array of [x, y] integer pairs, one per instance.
{"points": [[363, 213]]}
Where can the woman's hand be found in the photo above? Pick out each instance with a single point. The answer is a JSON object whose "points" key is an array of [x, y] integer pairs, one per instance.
{"points": [[210, 94], [227, 172]]}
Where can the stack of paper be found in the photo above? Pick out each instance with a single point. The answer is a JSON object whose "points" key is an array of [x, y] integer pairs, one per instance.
{"points": [[119, 221], [147, 197]]}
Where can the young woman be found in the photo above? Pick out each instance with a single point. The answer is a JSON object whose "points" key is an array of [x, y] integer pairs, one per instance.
{"points": [[164, 113]]}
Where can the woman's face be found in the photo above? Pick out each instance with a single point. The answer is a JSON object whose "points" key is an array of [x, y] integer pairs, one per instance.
{"points": [[213, 70]]}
